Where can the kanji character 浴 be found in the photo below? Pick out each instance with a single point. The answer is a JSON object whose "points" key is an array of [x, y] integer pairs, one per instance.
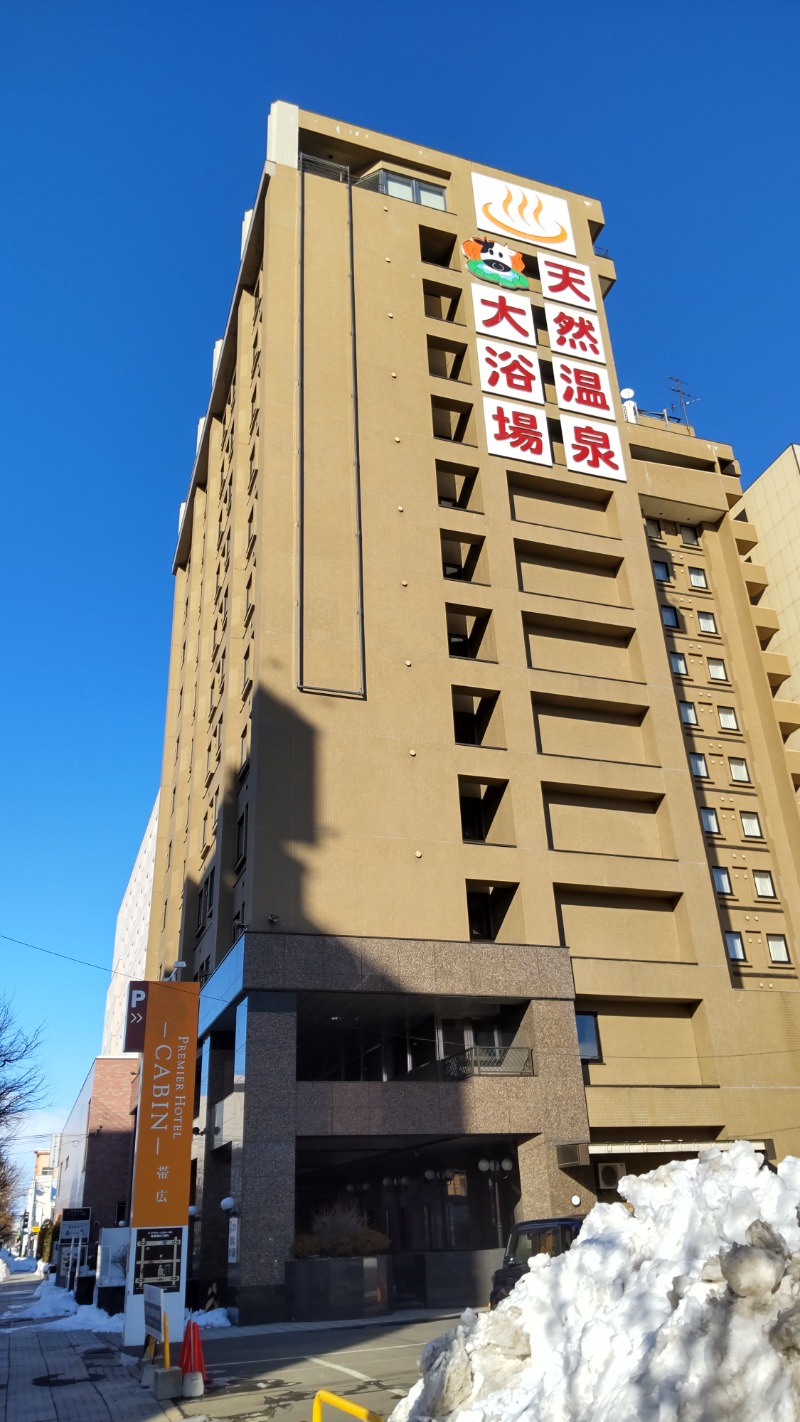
{"points": [[504, 312], [592, 447], [568, 278], [576, 332], [584, 387], [518, 371], [522, 429]]}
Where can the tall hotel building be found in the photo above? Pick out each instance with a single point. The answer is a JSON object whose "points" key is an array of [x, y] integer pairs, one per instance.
{"points": [[476, 823]]}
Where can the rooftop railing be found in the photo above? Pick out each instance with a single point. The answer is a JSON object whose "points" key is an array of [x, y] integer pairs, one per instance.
{"points": [[477, 1061]]}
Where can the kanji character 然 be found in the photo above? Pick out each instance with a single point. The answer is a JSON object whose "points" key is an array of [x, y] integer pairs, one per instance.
{"points": [[569, 279], [522, 429], [592, 447], [584, 387], [518, 371], [576, 332], [163, 1172], [161, 1197], [504, 312]]}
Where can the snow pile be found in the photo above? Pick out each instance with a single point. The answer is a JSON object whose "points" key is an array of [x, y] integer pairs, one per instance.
{"points": [[60, 1310], [214, 1318], [686, 1310]]}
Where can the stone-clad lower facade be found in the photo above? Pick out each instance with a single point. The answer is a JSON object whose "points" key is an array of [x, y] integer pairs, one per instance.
{"points": [[476, 823]]}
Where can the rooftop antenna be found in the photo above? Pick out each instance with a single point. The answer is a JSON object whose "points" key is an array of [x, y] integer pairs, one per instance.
{"points": [[684, 398]]}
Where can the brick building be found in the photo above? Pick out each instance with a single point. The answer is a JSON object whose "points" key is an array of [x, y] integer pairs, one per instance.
{"points": [[97, 1143]]}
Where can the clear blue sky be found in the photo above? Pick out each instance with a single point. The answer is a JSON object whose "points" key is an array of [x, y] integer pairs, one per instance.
{"points": [[133, 136]]}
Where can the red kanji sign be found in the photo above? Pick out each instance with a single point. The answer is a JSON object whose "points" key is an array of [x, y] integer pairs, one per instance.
{"points": [[573, 332], [592, 448], [570, 282], [516, 431], [584, 388], [510, 370], [504, 317]]}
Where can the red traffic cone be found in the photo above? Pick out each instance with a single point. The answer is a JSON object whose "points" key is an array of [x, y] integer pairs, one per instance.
{"points": [[192, 1360]]}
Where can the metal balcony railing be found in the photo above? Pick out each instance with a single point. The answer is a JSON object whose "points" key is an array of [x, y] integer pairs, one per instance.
{"points": [[477, 1061]]}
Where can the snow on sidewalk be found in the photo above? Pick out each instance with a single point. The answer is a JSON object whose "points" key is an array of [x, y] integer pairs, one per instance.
{"points": [[687, 1309], [55, 1308]]}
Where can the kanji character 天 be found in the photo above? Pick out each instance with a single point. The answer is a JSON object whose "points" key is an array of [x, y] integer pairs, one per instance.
{"points": [[504, 312], [163, 1172], [517, 370], [522, 429], [592, 447], [584, 387], [568, 279], [161, 1197], [576, 332]]}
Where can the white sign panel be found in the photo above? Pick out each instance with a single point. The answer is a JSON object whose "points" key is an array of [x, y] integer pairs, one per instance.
{"points": [[233, 1239], [516, 431], [583, 389], [154, 1312], [506, 316], [574, 333], [74, 1229], [510, 370], [522, 213], [570, 282], [592, 448]]}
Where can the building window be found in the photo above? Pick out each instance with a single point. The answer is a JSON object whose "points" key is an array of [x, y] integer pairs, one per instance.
{"points": [[248, 600], [697, 578], [678, 663], [246, 672], [716, 669], [709, 819], [778, 949], [688, 713], [764, 885], [734, 945], [698, 765], [662, 572], [751, 824], [398, 185], [241, 837], [727, 718], [243, 750], [689, 534], [669, 616], [653, 527], [588, 1037], [722, 879], [738, 769], [707, 622]]}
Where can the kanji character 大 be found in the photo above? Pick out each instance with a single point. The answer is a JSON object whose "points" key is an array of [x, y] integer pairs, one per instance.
{"points": [[584, 387], [592, 447], [576, 332], [161, 1197], [566, 278], [522, 429], [503, 312], [517, 370]]}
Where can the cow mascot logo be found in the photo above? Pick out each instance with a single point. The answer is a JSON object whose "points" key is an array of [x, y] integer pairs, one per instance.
{"points": [[494, 262]]}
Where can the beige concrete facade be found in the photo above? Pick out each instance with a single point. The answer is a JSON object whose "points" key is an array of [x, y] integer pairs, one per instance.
{"points": [[380, 624]]}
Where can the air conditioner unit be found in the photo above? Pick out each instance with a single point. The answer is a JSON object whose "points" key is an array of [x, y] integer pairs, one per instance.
{"points": [[609, 1174]]}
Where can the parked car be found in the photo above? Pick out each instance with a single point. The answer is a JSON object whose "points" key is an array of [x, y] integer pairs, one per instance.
{"points": [[526, 1239]]}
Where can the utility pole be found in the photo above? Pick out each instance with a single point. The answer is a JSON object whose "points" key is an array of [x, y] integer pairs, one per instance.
{"points": [[684, 398]]}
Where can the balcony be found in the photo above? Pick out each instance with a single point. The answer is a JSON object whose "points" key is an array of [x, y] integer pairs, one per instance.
{"points": [[793, 763], [766, 623], [776, 665], [477, 1061], [745, 534], [755, 578], [788, 714]]}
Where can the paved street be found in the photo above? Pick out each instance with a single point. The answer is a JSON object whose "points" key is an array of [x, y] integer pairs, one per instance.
{"points": [[74, 1375]]}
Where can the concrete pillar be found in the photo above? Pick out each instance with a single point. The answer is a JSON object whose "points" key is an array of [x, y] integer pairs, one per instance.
{"points": [[262, 1161], [210, 1234], [547, 1189]]}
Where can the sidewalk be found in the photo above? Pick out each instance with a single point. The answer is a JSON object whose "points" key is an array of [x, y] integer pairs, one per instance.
{"points": [[63, 1376]]}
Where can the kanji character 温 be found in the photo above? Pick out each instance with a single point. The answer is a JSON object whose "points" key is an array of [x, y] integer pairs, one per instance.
{"points": [[522, 429], [576, 332], [584, 387], [592, 447], [504, 312], [518, 371], [569, 279]]}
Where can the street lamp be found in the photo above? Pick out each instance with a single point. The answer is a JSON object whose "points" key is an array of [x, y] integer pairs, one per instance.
{"points": [[495, 1168]]}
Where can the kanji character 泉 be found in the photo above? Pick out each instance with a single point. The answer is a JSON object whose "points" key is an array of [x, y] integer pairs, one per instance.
{"points": [[576, 332], [522, 429], [518, 371], [163, 1172], [592, 447], [568, 279], [504, 312], [584, 387], [161, 1197]]}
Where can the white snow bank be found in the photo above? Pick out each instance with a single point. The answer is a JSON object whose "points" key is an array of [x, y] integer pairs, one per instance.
{"points": [[215, 1318], [686, 1310], [60, 1309]]}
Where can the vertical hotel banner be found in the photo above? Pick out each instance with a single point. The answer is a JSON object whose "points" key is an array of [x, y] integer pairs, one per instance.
{"points": [[162, 1161]]}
